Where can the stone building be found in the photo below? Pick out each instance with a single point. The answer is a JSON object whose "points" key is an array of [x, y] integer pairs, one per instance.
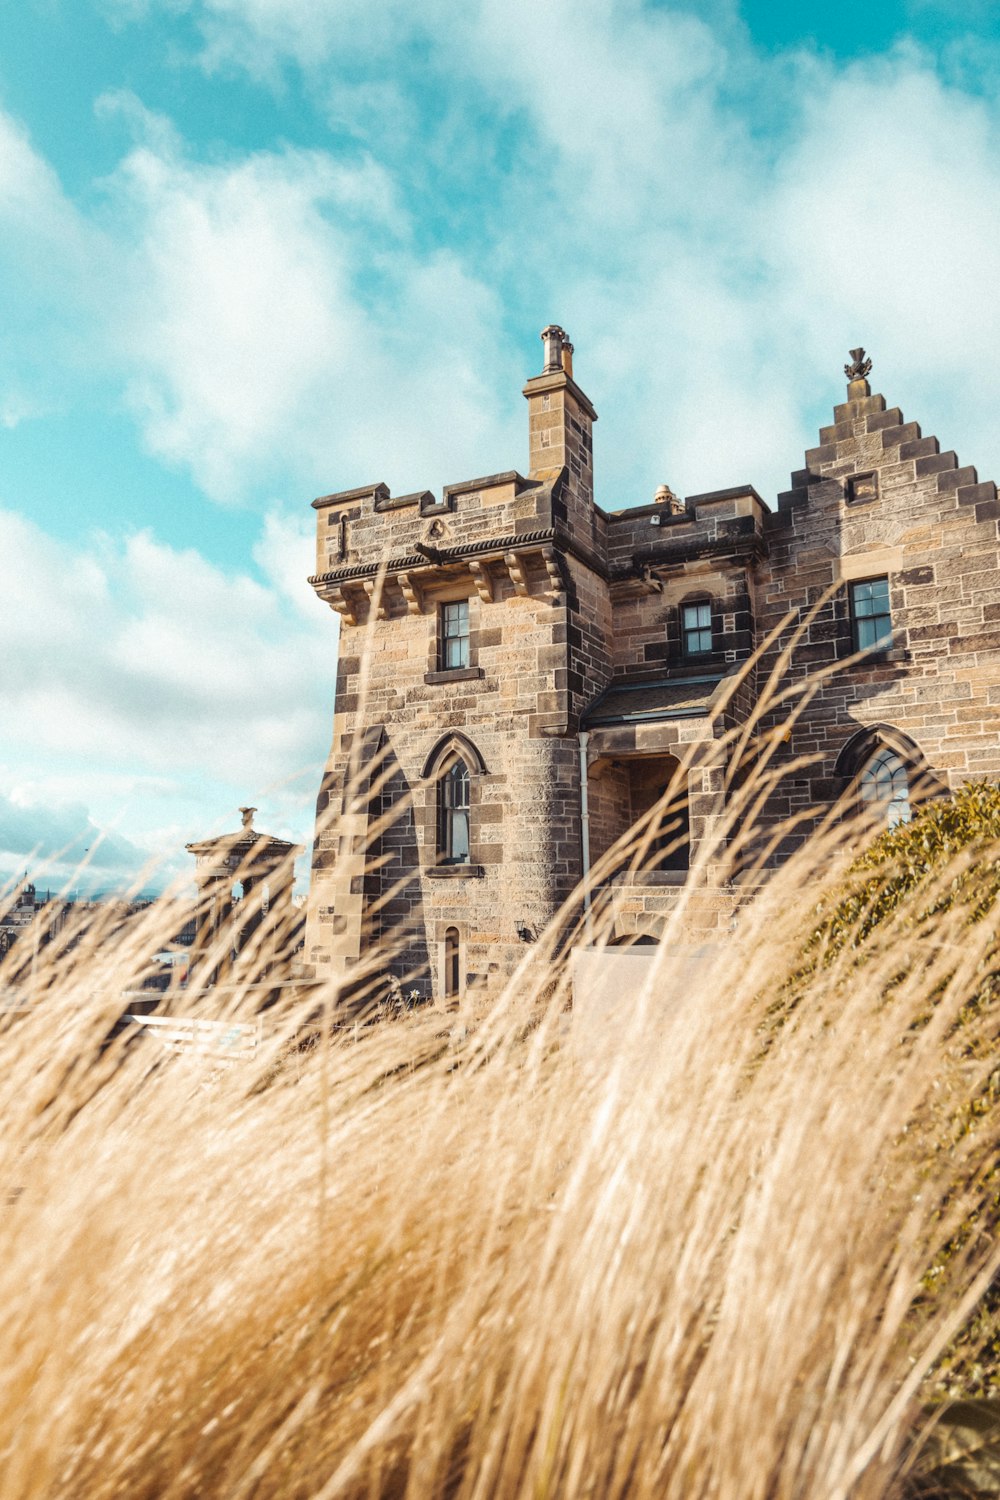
{"points": [[247, 922], [522, 674]]}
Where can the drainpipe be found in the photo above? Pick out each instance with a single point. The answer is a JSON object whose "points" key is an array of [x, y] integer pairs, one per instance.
{"points": [[585, 832]]}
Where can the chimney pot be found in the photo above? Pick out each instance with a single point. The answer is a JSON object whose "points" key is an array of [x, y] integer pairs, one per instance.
{"points": [[665, 496], [554, 338]]}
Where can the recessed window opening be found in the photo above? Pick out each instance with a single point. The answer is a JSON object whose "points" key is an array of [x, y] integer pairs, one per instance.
{"points": [[885, 787], [696, 628], [453, 834], [870, 615], [452, 959], [455, 635]]}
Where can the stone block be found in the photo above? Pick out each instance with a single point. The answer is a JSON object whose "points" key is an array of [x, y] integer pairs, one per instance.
{"points": [[919, 448], [976, 494]]}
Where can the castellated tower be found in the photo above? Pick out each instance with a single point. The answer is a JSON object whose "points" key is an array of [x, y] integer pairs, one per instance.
{"points": [[448, 823]]}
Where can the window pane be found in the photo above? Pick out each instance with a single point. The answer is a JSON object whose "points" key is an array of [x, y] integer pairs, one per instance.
{"points": [[884, 782], [871, 614], [459, 851], [455, 634], [454, 793], [456, 618], [455, 654], [696, 627]]}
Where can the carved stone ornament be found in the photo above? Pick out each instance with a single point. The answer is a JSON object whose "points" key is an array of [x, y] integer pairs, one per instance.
{"points": [[861, 368]]}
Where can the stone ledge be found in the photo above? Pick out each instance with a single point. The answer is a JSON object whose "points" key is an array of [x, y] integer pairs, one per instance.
{"points": [[454, 674], [456, 872], [876, 658]]}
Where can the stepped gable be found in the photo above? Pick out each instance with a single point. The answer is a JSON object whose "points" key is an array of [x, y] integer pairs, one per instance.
{"points": [[865, 438]]}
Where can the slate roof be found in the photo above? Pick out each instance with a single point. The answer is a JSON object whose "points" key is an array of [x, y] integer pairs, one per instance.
{"points": [[625, 702]]}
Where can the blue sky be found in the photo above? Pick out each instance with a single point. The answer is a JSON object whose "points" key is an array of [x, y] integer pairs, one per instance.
{"points": [[255, 250]]}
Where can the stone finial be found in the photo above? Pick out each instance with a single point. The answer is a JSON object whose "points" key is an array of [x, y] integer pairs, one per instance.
{"points": [[861, 368], [554, 338], [248, 813]]}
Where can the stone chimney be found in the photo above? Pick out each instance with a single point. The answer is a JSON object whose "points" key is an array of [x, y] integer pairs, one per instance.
{"points": [[560, 422]]}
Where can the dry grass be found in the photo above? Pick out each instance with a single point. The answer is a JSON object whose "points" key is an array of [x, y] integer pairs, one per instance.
{"points": [[429, 1259]]}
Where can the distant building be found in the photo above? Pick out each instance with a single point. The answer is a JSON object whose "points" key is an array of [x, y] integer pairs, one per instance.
{"points": [[539, 665], [25, 909], [247, 920]]}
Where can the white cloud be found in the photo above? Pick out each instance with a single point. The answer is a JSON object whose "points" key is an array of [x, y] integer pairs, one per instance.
{"points": [[716, 228], [167, 684], [61, 835]]}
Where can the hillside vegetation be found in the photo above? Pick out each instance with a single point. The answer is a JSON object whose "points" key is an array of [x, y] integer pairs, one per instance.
{"points": [[479, 1255]]}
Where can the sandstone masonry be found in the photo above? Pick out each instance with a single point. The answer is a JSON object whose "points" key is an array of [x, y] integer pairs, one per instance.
{"points": [[499, 639]]}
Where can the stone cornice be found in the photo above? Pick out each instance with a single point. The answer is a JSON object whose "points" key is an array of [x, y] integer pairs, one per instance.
{"points": [[741, 548], [438, 556], [664, 552]]}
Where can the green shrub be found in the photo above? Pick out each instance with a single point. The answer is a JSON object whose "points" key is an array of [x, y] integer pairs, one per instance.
{"points": [[956, 834]]}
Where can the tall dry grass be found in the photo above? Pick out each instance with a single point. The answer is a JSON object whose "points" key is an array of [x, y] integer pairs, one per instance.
{"points": [[423, 1257]]}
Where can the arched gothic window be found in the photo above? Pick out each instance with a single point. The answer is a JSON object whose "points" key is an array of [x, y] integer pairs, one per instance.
{"points": [[453, 814], [885, 786]]}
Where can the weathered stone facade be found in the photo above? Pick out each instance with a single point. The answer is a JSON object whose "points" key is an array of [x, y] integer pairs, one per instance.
{"points": [[497, 639]]}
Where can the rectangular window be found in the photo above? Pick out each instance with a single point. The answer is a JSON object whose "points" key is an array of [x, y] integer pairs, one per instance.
{"points": [[696, 628], [455, 635], [871, 620]]}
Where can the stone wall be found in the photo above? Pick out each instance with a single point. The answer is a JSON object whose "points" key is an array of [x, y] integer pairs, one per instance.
{"points": [[566, 601]]}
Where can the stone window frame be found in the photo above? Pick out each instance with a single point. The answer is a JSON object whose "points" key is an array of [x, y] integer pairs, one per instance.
{"points": [[452, 962], [437, 673], [700, 600], [454, 814], [448, 750], [881, 644], [452, 613], [865, 747]]}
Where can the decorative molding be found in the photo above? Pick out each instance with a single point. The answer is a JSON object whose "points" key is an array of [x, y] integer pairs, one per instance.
{"points": [[411, 593], [344, 606], [484, 583], [459, 553], [373, 591], [518, 577], [557, 583]]}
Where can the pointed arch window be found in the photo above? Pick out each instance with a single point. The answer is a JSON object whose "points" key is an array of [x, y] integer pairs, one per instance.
{"points": [[453, 815], [885, 787]]}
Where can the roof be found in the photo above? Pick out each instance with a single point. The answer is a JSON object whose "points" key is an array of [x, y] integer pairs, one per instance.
{"points": [[666, 698]]}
